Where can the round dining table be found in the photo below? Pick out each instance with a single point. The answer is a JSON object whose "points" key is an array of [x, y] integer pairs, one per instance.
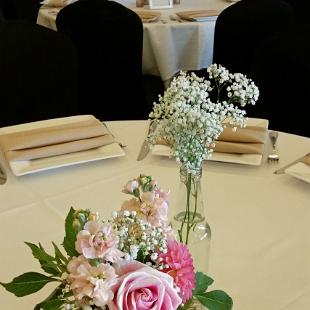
{"points": [[170, 44], [260, 244]]}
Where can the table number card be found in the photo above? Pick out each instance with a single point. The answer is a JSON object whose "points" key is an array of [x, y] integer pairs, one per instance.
{"points": [[160, 4]]}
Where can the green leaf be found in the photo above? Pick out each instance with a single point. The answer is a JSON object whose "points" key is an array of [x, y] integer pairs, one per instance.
{"points": [[202, 282], [47, 261], [56, 294], [27, 283], [54, 304], [215, 300], [59, 256], [71, 232], [39, 253]]}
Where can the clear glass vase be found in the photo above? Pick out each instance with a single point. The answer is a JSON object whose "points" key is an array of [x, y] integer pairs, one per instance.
{"points": [[189, 218]]}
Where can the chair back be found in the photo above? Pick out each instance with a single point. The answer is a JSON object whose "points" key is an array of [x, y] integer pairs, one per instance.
{"points": [[20, 9], [241, 26], [108, 37], [38, 73], [2, 19]]}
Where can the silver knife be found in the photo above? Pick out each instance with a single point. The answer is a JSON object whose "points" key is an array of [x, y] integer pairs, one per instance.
{"points": [[282, 170], [3, 176], [145, 148]]}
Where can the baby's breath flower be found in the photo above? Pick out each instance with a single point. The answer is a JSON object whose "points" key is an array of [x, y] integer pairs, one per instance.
{"points": [[193, 111], [138, 239]]}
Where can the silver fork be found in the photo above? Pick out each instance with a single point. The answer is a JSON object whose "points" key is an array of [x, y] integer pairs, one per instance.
{"points": [[273, 156]]}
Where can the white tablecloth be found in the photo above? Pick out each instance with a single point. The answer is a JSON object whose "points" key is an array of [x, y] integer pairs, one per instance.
{"points": [[168, 46], [260, 247]]}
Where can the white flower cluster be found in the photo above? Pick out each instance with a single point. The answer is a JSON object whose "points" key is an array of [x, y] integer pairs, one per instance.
{"points": [[239, 89], [193, 111], [139, 239]]}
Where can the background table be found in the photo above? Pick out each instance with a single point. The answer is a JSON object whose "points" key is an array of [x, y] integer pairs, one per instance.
{"points": [[168, 45], [260, 247]]}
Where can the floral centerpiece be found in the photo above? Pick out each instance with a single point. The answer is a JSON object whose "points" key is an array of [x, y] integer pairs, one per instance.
{"points": [[194, 110], [129, 261], [190, 117]]}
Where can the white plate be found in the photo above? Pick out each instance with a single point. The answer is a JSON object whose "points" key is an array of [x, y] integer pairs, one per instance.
{"points": [[300, 171], [30, 166], [245, 159]]}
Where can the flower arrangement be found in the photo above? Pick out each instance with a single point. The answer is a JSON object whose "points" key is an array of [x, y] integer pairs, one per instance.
{"points": [[130, 261], [193, 111], [190, 117]]}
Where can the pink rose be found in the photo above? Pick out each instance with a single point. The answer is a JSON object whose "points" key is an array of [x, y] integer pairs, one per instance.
{"points": [[142, 287]]}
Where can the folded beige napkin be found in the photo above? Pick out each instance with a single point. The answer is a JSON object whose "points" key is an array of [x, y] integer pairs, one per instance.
{"points": [[55, 140], [197, 15], [249, 140], [148, 16], [57, 3], [306, 160]]}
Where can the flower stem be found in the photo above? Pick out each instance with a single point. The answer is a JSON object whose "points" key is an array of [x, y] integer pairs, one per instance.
{"points": [[188, 193]]}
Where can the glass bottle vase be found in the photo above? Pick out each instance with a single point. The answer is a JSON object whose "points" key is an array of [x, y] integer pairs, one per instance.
{"points": [[189, 218]]}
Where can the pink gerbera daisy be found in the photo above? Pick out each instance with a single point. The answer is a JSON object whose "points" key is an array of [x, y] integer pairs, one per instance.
{"points": [[181, 268]]}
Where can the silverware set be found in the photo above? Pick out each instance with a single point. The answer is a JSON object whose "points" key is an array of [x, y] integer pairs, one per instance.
{"points": [[282, 170], [122, 145], [273, 156], [145, 148], [176, 18]]}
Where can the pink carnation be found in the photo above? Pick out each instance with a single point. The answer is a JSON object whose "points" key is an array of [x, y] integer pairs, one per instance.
{"points": [[98, 241], [181, 268], [152, 207], [90, 281]]}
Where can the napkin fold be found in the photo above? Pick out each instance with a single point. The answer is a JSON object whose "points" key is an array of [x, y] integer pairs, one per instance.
{"points": [[57, 3], [300, 170], [248, 140], [55, 140], [198, 15], [148, 16], [306, 160]]}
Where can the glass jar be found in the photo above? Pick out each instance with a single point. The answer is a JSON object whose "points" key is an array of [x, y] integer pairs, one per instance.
{"points": [[189, 218]]}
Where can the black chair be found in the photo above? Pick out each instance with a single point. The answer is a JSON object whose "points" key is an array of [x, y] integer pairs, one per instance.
{"points": [[241, 26], [281, 67], [269, 41], [20, 9], [108, 37], [2, 19], [38, 73]]}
